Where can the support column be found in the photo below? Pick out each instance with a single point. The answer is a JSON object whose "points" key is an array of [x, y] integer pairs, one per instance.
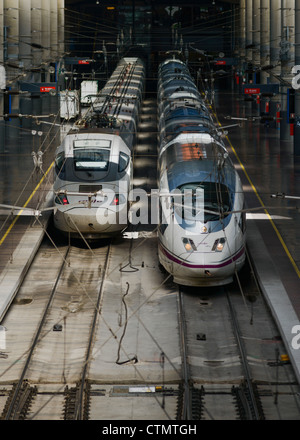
{"points": [[242, 41], [61, 43], [53, 30], [256, 39], [36, 31], [275, 35], [61, 27], [249, 33], [11, 22], [264, 38], [25, 104], [25, 34], [46, 37], [275, 39], [287, 60], [3, 79], [242, 28], [297, 90]]}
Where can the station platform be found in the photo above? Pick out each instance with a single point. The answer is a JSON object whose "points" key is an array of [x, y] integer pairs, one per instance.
{"points": [[267, 166], [28, 185]]}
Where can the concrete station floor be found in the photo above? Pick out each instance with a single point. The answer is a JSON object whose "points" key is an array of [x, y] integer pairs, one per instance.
{"points": [[266, 164]]}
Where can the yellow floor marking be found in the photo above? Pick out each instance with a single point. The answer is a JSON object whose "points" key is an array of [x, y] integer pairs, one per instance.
{"points": [[27, 201], [262, 204]]}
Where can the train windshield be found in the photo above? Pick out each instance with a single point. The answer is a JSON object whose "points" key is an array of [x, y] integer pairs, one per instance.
{"points": [[91, 155], [204, 202]]}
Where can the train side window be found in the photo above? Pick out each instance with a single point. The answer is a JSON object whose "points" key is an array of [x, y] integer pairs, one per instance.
{"points": [[60, 162], [162, 221], [242, 222], [123, 162]]}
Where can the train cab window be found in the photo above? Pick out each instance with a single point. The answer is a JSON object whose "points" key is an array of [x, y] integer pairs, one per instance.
{"points": [[95, 159], [91, 154], [203, 201], [123, 162]]}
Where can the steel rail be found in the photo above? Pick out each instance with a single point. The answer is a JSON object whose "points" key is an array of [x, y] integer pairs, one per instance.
{"points": [[187, 402], [13, 409], [79, 407], [253, 413]]}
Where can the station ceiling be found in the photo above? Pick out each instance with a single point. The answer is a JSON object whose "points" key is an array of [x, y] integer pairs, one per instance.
{"points": [[89, 3], [209, 24]]}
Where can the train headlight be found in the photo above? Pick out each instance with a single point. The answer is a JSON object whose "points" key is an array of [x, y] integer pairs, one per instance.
{"points": [[188, 247], [188, 244], [219, 245], [61, 199]]}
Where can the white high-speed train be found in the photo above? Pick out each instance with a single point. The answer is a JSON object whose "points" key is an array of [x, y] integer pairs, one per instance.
{"points": [[202, 229], [93, 165]]}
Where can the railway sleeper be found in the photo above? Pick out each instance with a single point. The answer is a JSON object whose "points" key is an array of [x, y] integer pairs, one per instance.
{"points": [[70, 402], [196, 402], [87, 401], [258, 402], [22, 403], [71, 398], [180, 397], [244, 405], [239, 402]]}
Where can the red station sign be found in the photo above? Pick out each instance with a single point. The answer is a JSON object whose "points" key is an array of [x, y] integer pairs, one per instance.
{"points": [[47, 89], [252, 91]]}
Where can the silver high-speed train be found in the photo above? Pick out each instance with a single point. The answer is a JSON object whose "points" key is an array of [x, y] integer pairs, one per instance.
{"points": [[93, 165], [201, 220]]}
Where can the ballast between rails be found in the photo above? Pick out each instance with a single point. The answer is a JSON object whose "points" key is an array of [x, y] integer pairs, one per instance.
{"points": [[202, 229], [96, 157]]}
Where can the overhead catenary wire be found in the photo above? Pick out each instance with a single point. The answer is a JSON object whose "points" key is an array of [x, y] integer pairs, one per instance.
{"points": [[109, 327], [113, 333]]}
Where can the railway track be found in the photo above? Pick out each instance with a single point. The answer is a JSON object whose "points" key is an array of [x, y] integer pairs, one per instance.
{"points": [[130, 361], [70, 275], [221, 376], [248, 402], [58, 383], [81, 408], [21, 394]]}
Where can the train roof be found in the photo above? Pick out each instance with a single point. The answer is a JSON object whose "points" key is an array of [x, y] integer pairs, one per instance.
{"points": [[195, 139], [180, 173], [187, 112], [195, 162]]}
